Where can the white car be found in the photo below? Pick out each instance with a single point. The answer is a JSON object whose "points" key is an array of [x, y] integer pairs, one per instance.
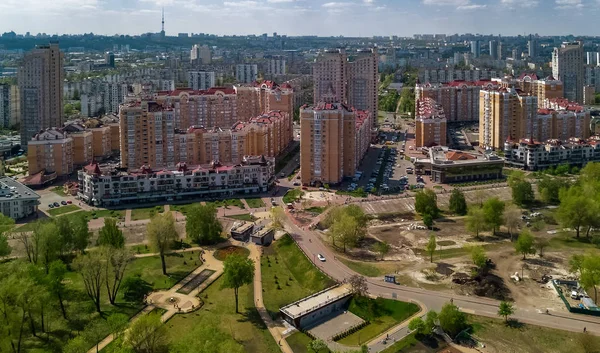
{"points": [[321, 257]]}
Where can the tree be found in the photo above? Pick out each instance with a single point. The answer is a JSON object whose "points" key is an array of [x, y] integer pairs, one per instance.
{"points": [[359, 285], [117, 323], [76, 345], [91, 269], [512, 218], [147, 334], [590, 273], [475, 220], [452, 320], [49, 243], [549, 189], [55, 278], [479, 257], [277, 216], [458, 204], [522, 193], [316, 346], [5, 249], [431, 246], [382, 248], [574, 207], [161, 234], [135, 288], [65, 235], [110, 235], [95, 331], [81, 233], [418, 325], [237, 271], [202, 225], [493, 210], [431, 320], [428, 220], [6, 223], [576, 263], [116, 264], [525, 243], [506, 309], [426, 203], [541, 244], [347, 230]]}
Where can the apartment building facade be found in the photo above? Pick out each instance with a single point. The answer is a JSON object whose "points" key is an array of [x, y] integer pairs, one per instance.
{"points": [[568, 67], [333, 142], [98, 187], [50, 150], [430, 123], [83, 151], [201, 80], [534, 155], [200, 55], [246, 73], [276, 66], [546, 88], [9, 105], [17, 200], [448, 75], [40, 80], [102, 142]]}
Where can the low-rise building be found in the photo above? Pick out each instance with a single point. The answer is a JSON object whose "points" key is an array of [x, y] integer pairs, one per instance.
{"points": [[314, 308], [17, 200], [430, 123], [534, 155], [111, 187]]}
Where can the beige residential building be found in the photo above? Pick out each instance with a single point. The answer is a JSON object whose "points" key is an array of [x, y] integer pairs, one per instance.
{"points": [[115, 134], [257, 98], [40, 79], [332, 142], [568, 67], [83, 152], [547, 88], [51, 151], [102, 145], [430, 123], [589, 95], [352, 82]]}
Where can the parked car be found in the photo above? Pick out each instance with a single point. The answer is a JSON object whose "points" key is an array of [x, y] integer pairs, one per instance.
{"points": [[321, 257], [64, 203], [50, 205], [69, 202], [56, 204]]}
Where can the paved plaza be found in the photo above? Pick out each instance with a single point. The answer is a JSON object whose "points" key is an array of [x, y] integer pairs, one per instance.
{"points": [[334, 325]]}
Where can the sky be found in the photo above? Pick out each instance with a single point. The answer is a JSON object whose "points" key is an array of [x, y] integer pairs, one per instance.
{"points": [[303, 17]]}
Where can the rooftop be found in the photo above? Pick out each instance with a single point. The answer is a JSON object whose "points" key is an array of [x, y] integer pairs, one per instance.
{"points": [[13, 190], [316, 301], [444, 155], [428, 108]]}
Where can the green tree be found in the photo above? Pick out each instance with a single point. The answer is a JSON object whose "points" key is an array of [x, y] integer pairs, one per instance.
{"points": [[6, 223], [431, 320], [135, 288], [431, 246], [541, 244], [116, 264], [426, 203], [237, 271], [479, 257], [458, 204], [505, 310], [161, 234], [202, 225], [5, 249], [147, 334], [407, 100], [428, 221], [522, 193], [110, 235], [452, 320], [55, 279], [493, 210], [316, 346], [277, 215], [475, 220], [49, 243], [91, 268], [65, 234], [382, 248], [549, 189], [117, 323], [418, 325], [590, 273], [95, 331], [76, 345], [525, 243], [576, 263], [81, 233], [573, 211], [68, 109], [347, 230]]}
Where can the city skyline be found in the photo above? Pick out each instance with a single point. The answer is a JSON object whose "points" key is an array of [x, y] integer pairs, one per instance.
{"points": [[320, 17]]}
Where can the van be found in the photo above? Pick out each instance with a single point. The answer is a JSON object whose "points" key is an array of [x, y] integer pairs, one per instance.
{"points": [[574, 295]]}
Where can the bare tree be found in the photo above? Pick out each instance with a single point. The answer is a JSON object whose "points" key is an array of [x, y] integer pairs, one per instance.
{"points": [[91, 268], [114, 271], [512, 217], [359, 285]]}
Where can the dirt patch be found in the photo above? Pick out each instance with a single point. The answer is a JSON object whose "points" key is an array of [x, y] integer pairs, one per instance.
{"points": [[225, 252], [444, 269]]}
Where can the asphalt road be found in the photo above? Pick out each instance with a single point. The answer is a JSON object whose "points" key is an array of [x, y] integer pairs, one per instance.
{"points": [[311, 245]]}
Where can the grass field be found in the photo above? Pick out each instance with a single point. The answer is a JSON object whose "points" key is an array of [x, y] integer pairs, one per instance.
{"points": [[316, 209], [369, 269], [255, 203], [107, 213], [243, 217], [228, 203], [246, 328], [296, 276], [145, 213], [59, 190], [298, 342], [382, 314], [457, 252], [63, 209], [499, 337], [223, 253], [569, 241]]}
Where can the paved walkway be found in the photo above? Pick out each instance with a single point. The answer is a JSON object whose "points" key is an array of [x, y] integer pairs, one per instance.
{"points": [[275, 329]]}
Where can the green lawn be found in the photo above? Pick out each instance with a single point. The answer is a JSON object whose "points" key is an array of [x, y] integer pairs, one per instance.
{"points": [[107, 213], [527, 338], [457, 252], [316, 209], [246, 328], [569, 241], [63, 209], [243, 217], [292, 195], [297, 277], [228, 203], [27, 227], [368, 269], [403, 345], [383, 314], [255, 203], [298, 342], [178, 266], [145, 213], [59, 190], [184, 209]]}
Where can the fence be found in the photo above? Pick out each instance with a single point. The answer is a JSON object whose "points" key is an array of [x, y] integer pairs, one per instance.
{"points": [[571, 309]]}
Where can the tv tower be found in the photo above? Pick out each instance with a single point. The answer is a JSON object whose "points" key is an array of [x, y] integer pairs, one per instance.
{"points": [[162, 24]]}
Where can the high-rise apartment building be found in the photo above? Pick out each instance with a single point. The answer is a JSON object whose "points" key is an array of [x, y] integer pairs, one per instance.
{"points": [[51, 151], [334, 139], [9, 105], [41, 90], [349, 79], [532, 47], [567, 66], [476, 48], [276, 66], [591, 58], [494, 50], [430, 123], [200, 55], [545, 88], [246, 73], [201, 80]]}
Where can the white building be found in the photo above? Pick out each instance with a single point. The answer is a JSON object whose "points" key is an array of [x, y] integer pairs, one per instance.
{"points": [[201, 80], [533, 155], [17, 200], [111, 187], [200, 55], [567, 66], [246, 73], [276, 67]]}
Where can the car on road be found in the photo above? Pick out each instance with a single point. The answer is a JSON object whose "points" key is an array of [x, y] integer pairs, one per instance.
{"points": [[56, 204], [321, 257], [69, 202], [64, 203], [296, 183]]}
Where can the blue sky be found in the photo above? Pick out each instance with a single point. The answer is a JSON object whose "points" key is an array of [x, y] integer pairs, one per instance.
{"points": [[297, 17]]}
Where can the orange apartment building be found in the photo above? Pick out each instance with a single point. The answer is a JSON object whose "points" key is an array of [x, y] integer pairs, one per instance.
{"points": [[430, 123], [459, 99], [114, 137], [547, 88], [333, 141], [102, 141], [51, 151], [83, 152]]}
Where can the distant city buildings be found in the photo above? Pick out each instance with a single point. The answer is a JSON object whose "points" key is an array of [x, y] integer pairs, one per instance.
{"points": [[201, 80], [542, 88], [353, 82], [334, 139], [450, 74], [430, 123], [40, 79], [200, 55], [246, 73], [9, 105], [476, 48], [276, 66], [567, 66]]}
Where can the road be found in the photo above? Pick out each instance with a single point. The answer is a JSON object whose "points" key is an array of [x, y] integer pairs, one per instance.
{"points": [[311, 244]]}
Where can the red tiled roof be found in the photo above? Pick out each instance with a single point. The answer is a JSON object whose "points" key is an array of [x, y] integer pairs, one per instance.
{"points": [[532, 76], [458, 156]]}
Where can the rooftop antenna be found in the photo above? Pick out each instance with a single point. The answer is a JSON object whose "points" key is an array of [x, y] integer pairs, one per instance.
{"points": [[162, 28]]}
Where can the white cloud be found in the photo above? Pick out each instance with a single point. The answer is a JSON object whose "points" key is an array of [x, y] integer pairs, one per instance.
{"points": [[279, 1], [447, 2], [520, 3], [568, 4], [471, 7]]}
